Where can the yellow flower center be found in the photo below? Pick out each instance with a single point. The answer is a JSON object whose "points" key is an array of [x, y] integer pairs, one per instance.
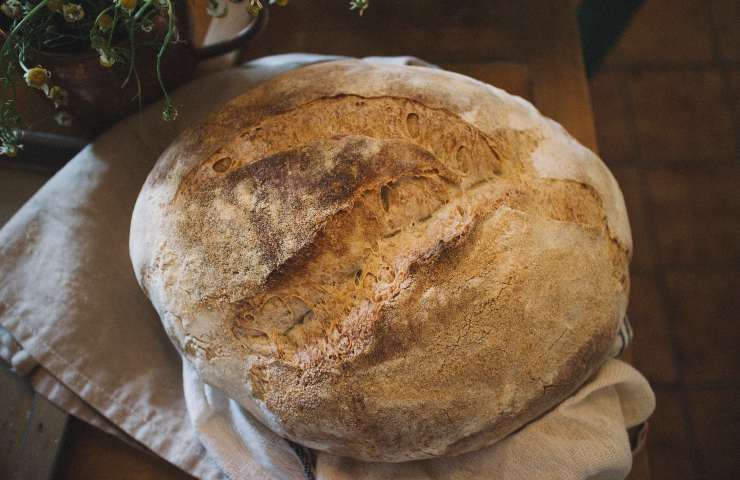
{"points": [[37, 77], [105, 22], [55, 5], [73, 12], [128, 4]]}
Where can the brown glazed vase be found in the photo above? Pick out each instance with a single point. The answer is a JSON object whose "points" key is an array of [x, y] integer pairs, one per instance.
{"points": [[97, 95]]}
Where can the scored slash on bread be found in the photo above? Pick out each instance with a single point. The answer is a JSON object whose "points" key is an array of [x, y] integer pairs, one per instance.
{"points": [[385, 262]]}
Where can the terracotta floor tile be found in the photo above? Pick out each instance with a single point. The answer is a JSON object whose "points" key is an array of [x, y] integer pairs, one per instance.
{"points": [[629, 180], [668, 446], [707, 326], [666, 31], [726, 18], [716, 421], [652, 350], [682, 116], [610, 117], [695, 215]]}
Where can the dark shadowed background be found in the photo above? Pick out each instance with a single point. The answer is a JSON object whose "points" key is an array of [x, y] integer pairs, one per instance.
{"points": [[667, 112]]}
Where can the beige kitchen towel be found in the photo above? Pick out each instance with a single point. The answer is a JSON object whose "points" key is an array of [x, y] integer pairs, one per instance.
{"points": [[68, 295], [78, 325]]}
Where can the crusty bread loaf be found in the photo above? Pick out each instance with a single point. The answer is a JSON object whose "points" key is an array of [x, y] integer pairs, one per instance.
{"points": [[385, 262]]}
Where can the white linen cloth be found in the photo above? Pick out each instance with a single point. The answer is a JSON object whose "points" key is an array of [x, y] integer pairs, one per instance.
{"points": [[75, 321]]}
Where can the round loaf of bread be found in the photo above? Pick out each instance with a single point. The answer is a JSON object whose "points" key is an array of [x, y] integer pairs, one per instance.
{"points": [[385, 262]]}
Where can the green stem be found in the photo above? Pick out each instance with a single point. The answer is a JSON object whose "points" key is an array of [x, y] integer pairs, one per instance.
{"points": [[97, 19], [143, 8], [100, 15], [11, 36], [163, 48], [132, 53], [132, 40], [10, 122], [22, 58]]}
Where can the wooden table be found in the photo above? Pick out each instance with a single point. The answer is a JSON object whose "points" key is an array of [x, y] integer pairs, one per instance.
{"points": [[530, 48]]}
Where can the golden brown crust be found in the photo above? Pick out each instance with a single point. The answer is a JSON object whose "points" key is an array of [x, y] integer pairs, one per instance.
{"points": [[389, 263]]}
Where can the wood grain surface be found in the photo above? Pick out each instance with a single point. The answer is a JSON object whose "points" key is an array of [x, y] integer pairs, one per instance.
{"points": [[31, 430]]}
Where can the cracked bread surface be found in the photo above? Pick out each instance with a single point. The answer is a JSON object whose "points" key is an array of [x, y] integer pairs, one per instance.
{"points": [[385, 262]]}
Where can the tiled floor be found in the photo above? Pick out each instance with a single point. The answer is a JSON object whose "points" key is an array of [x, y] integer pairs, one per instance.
{"points": [[667, 105]]}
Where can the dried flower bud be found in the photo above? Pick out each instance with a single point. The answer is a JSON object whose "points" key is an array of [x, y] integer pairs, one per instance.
{"points": [[169, 113], [254, 7], [9, 149], [37, 77], [129, 5], [105, 22], [162, 5], [146, 25], [73, 12], [359, 5], [217, 8], [106, 58], [63, 118], [59, 96], [55, 5], [12, 9]]}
